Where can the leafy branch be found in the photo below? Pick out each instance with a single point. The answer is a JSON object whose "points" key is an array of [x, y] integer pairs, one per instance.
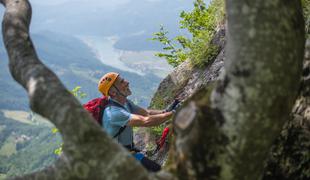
{"points": [[201, 23], [175, 55]]}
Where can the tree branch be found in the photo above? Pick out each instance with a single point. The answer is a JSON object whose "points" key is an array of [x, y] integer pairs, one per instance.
{"points": [[87, 152]]}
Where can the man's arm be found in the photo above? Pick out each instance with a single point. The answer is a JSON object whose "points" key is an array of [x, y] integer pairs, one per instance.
{"points": [[147, 112], [171, 107], [153, 111], [150, 120]]}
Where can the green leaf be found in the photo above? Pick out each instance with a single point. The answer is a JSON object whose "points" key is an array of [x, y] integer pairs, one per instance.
{"points": [[55, 130]]}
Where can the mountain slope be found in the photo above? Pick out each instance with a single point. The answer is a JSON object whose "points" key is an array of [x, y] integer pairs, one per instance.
{"points": [[25, 147]]}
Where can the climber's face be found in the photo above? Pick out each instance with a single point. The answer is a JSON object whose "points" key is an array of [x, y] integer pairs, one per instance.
{"points": [[123, 86]]}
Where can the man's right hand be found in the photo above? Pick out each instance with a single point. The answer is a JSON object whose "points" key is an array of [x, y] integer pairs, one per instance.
{"points": [[173, 105]]}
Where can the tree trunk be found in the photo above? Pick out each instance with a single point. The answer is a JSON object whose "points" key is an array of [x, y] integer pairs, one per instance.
{"points": [[289, 158], [231, 138]]}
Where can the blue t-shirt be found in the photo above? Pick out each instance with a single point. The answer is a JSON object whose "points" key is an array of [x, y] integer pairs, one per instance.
{"points": [[115, 117]]}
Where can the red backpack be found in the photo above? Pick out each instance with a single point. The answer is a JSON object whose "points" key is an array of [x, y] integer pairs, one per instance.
{"points": [[96, 106]]}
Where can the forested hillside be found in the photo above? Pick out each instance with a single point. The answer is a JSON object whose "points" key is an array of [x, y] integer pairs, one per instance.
{"points": [[25, 146]]}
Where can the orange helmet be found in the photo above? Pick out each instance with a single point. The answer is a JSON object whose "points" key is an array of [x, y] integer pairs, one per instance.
{"points": [[106, 82]]}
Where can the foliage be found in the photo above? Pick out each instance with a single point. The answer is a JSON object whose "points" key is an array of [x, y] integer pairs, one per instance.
{"points": [[176, 55], [55, 130], [201, 23], [58, 151], [157, 130], [78, 93]]}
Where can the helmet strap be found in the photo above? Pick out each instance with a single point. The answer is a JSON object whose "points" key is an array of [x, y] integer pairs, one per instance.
{"points": [[118, 91]]}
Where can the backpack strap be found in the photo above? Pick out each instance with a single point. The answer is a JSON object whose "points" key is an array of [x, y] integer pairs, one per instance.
{"points": [[111, 103], [102, 106], [119, 131]]}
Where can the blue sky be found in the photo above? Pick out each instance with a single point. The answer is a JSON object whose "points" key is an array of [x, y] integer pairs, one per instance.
{"points": [[105, 2]]}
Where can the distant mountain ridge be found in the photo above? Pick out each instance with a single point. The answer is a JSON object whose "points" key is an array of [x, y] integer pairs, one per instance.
{"points": [[75, 64]]}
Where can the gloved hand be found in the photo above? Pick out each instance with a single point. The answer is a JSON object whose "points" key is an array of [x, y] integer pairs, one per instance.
{"points": [[176, 107], [173, 105]]}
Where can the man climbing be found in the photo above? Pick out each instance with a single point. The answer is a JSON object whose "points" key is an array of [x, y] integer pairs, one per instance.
{"points": [[121, 115]]}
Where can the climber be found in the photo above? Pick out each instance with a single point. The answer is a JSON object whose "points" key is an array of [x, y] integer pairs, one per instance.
{"points": [[121, 115]]}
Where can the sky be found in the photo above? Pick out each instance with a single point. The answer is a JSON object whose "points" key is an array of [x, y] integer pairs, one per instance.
{"points": [[106, 17], [103, 18], [105, 2]]}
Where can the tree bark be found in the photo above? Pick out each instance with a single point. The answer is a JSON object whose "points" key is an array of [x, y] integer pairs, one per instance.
{"points": [[88, 152], [231, 138], [261, 81], [289, 157]]}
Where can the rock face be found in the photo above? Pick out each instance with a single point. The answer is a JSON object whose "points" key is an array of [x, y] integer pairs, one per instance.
{"points": [[289, 157], [182, 83], [185, 80]]}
